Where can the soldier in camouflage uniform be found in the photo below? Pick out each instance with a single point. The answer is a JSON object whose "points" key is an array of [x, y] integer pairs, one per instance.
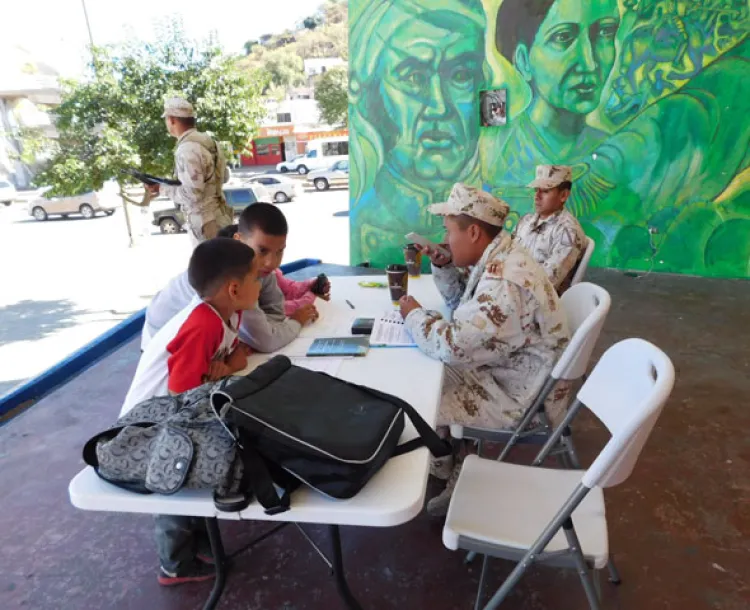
{"points": [[553, 236], [507, 328], [201, 168]]}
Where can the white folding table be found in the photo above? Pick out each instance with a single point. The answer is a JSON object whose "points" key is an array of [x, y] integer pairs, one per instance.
{"points": [[392, 497]]}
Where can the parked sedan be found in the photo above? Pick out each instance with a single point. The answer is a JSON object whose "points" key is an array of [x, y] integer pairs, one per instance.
{"points": [[87, 205], [172, 220], [7, 192], [337, 174], [281, 188]]}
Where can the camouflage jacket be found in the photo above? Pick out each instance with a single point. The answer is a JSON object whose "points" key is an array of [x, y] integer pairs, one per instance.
{"points": [[202, 170], [506, 333], [556, 243]]}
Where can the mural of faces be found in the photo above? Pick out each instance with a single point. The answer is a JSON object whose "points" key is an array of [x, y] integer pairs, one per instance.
{"points": [[430, 72], [572, 54]]}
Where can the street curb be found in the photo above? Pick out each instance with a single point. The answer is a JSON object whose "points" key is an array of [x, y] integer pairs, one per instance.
{"points": [[25, 395]]}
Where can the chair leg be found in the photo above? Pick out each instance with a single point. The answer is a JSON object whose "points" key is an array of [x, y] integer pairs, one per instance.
{"points": [[482, 579], [570, 450], [511, 581], [614, 574], [470, 556], [596, 578], [580, 562]]}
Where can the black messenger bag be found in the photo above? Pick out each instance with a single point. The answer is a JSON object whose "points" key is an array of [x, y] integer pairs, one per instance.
{"points": [[300, 426]]}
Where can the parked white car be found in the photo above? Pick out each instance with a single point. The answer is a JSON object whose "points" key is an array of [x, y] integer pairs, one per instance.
{"points": [[289, 165], [7, 192], [281, 188], [337, 174], [87, 205]]}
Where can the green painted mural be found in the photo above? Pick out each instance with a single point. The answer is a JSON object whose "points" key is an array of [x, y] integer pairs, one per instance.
{"points": [[648, 100]]}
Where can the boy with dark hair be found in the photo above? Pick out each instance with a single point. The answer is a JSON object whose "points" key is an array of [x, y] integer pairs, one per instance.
{"points": [[266, 328], [223, 274], [199, 344], [296, 294]]}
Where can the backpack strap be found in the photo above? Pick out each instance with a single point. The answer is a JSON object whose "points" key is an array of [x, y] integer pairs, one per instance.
{"points": [[258, 478]]}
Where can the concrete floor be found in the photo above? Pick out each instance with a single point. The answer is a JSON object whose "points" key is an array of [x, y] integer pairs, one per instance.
{"points": [[680, 527]]}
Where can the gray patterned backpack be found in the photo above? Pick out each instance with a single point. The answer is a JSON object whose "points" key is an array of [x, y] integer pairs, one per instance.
{"points": [[168, 443]]}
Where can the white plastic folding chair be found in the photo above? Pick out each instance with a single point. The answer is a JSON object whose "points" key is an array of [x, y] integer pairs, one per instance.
{"points": [[583, 264], [531, 514], [586, 307]]}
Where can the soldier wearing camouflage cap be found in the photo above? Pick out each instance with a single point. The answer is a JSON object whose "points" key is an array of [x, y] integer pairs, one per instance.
{"points": [[552, 235], [202, 171], [507, 329]]}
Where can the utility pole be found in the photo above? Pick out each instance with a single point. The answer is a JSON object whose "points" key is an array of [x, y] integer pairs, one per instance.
{"points": [[88, 25]]}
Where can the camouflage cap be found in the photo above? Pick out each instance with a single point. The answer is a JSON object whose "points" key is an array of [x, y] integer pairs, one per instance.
{"points": [[550, 176], [178, 107], [473, 202]]}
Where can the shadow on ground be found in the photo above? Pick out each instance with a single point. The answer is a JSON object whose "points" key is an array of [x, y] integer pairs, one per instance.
{"points": [[29, 320]]}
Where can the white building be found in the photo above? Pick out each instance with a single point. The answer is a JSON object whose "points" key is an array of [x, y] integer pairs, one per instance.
{"points": [[27, 86]]}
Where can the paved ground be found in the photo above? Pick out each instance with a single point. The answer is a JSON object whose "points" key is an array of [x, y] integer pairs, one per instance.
{"points": [[64, 282], [680, 526]]}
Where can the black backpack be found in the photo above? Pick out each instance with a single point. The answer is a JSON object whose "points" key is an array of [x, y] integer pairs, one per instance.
{"points": [[299, 426]]}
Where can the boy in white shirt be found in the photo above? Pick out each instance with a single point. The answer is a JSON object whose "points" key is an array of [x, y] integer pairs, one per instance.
{"points": [[199, 344]]}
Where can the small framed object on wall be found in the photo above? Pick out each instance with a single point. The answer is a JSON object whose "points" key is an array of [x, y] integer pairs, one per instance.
{"points": [[493, 107]]}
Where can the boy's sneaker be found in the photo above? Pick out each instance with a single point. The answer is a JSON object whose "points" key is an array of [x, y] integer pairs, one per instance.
{"points": [[438, 506], [205, 557], [195, 571]]}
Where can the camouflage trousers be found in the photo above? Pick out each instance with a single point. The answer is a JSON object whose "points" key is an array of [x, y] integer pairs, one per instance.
{"points": [[462, 403], [200, 231]]}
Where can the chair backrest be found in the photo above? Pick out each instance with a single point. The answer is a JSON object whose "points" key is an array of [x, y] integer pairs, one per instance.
{"points": [[626, 390], [583, 264], [586, 307]]}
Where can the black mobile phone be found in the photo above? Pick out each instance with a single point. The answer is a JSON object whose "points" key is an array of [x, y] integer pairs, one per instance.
{"points": [[363, 326], [320, 282]]}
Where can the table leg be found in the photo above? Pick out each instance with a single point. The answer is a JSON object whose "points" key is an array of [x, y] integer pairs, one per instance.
{"points": [[338, 569], [220, 563]]}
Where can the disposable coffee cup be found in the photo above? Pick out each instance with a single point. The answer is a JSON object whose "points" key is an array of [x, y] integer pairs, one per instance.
{"points": [[413, 258], [398, 281]]}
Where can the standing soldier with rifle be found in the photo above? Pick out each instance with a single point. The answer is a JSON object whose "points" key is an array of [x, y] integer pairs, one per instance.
{"points": [[201, 170]]}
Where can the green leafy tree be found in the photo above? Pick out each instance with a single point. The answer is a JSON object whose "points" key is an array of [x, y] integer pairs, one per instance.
{"points": [[284, 66], [331, 92], [112, 121], [312, 22]]}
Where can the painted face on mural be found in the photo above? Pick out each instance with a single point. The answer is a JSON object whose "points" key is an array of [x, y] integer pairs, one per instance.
{"points": [[430, 76], [572, 54]]}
